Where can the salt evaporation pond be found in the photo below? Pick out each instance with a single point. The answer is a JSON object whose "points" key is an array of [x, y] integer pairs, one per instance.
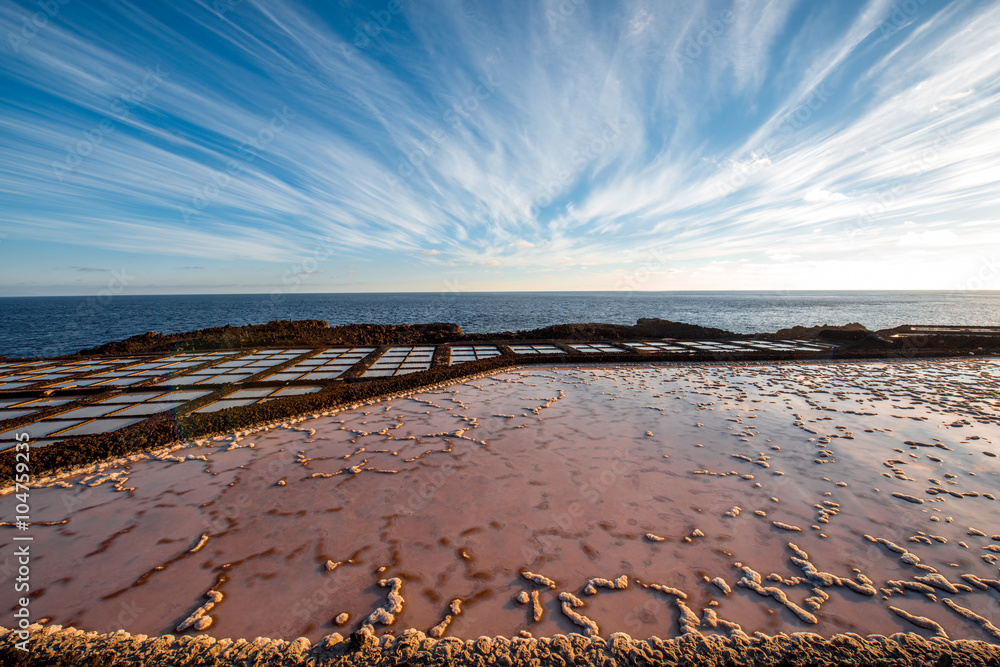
{"points": [[691, 481]]}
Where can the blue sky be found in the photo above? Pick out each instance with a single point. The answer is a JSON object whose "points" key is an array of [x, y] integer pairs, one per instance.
{"points": [[254, 146]]}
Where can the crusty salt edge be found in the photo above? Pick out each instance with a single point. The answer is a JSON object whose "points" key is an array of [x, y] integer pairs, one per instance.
{"points": [[620, 583], [982, 621], [688, 619], [721, 584], [939, 581], [912, 585], [199, 618], [919, 621], [455, 608], [52, 643], [982, 584], [907, 557], [669, 590], [56, 477], [752, 580], [785, 526], [568, 602], [393, 605], [710, 619], [825, 579], [537, 610], [539, 579]]}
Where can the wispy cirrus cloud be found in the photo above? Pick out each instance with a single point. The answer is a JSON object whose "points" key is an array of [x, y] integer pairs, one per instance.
{"points": [[516, 136]]}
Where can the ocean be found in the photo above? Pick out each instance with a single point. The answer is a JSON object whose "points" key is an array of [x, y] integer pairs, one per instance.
{"points": [[49, 326]]}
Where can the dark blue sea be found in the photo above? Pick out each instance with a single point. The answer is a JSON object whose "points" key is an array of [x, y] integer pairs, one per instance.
{"points": [[46, 326]]}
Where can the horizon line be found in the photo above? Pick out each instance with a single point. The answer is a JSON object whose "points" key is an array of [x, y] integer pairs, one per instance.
{"points": [[470, 292]]}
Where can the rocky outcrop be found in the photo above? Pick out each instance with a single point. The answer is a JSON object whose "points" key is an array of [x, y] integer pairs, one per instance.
{"points": [[282, 333], [804, 333], [643, 328]]}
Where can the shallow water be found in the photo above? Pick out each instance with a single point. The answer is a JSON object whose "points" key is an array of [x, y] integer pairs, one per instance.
{"points": [[564, 472]]}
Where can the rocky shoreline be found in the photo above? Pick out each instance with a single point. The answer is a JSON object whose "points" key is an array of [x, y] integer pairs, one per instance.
{"points": [[317, 333], [68, 646]]}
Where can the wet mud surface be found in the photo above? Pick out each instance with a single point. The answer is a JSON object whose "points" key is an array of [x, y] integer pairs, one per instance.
{"points": [[655, 501]]}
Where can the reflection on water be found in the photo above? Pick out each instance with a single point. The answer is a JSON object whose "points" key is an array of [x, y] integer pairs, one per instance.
{"points": [[691, 481]]}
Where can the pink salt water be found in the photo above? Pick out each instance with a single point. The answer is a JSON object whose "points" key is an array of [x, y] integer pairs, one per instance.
{"points": [[568, 473]]}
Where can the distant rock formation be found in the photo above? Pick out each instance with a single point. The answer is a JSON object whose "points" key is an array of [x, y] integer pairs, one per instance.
{"points": [[282, 333], [804, 333], [643, 328]]}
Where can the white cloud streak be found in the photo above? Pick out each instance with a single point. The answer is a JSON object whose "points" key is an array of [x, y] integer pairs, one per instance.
{"points": [[473, 133]]}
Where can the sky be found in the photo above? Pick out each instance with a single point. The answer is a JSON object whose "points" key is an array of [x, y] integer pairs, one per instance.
{"points": [[245, 146]]}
